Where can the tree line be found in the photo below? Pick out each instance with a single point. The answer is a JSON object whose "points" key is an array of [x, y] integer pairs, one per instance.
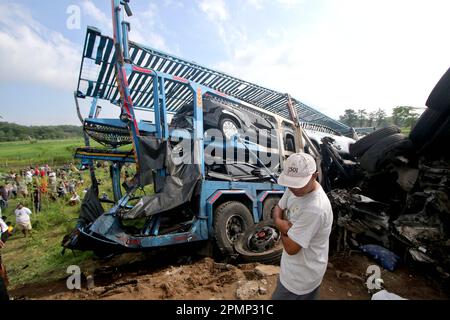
{"points": [[15, 132], [402, 116]]}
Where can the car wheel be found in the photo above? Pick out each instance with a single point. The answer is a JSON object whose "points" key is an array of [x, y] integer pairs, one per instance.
{"points": [[268, 206], [358, 148], [384, 150], [260, 243], [229, 128], [231, 219], [439, 98]]}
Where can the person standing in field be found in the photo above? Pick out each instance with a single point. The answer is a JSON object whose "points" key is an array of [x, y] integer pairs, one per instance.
{"points": [[36, 197], [23, 221]]}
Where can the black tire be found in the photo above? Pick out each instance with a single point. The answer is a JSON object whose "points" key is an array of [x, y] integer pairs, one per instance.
{"points": [[384, 150], [437, 144], [426, 127], [439, 98], [358, 148], [268, 206], [271, 256], [224, 232]]}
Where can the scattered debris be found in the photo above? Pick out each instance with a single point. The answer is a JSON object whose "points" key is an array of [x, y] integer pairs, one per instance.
{"points": [[386, 258], [400, 204], [385, 295], [267, 270], [247, 290]]}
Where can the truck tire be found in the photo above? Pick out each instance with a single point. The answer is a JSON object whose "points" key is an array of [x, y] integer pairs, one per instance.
{"points": [[231, 219], [270, 256], [425, 128], [358, 148], [436, 145], [383, 150], [268, 206], [439, 98]]}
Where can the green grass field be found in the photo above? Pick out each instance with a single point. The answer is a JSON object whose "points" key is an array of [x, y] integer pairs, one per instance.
{"points": [[17, 155], [38, 258]]}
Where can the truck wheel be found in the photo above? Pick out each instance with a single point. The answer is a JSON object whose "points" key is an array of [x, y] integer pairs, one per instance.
{"points": [[385, 149], [439, 98], [231, 219], [260, 243], [358, 148], [268, 206]]}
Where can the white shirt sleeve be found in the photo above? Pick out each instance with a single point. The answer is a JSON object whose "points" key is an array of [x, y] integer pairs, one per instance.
{"points": [[28, 211], [305, 228], [283, 201]]}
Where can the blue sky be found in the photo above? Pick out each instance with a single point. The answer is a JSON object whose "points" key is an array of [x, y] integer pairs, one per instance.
{"points": [[330, 54]]}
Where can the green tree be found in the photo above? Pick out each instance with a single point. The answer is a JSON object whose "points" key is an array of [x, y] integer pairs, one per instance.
{"points": [[371, 118], [380, 117], [15, 132], [362, 117], [349, 118], [404, 116]]}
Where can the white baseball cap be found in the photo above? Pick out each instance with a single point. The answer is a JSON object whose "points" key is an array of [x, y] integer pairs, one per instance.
{"points": [[298, 170]]}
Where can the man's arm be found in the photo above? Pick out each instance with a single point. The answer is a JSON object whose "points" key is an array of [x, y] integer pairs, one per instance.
{"points": [[282, 225], [289, 245]]}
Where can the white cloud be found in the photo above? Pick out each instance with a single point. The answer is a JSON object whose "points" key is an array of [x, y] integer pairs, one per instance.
{"points": [[257, 4], [31, 53], [354, 55], [230, 33], [290, 3], [215, 10], [104, 22], [168, 3], [147, 28], [146, 25]]}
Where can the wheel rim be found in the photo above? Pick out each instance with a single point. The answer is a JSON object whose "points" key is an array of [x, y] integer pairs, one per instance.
{"points": [[229, 129], [234, 227], [263, 239]]}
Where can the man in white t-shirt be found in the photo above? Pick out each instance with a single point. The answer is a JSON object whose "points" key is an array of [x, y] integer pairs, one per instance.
{"points": [[23, 221], [305, 229]]}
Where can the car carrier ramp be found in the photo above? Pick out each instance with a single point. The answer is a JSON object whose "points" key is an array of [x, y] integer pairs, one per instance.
{"points": [[97, 79]]}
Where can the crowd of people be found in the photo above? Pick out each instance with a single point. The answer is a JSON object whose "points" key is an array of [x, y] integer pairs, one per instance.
{"points": [[40, 182], [35, 184]]}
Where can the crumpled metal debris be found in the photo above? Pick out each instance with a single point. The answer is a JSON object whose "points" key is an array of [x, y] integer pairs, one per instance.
{"points": [[417, 227]]}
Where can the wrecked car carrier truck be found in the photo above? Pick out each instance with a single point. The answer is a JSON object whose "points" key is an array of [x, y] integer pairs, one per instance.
{"points": [[198, 194]]}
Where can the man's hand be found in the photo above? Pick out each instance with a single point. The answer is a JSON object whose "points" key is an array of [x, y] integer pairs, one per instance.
{"points": [[290, 246], [282, 225]]}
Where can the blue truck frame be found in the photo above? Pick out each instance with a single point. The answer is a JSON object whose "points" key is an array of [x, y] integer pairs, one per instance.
{"points": [[149, 89]]}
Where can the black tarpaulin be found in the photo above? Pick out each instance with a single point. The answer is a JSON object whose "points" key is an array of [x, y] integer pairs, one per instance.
{"points": [[152, 152], [173, 190], [91, 208]]}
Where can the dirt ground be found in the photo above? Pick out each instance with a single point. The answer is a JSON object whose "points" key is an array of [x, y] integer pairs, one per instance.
{"points": [[130, 277]]}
